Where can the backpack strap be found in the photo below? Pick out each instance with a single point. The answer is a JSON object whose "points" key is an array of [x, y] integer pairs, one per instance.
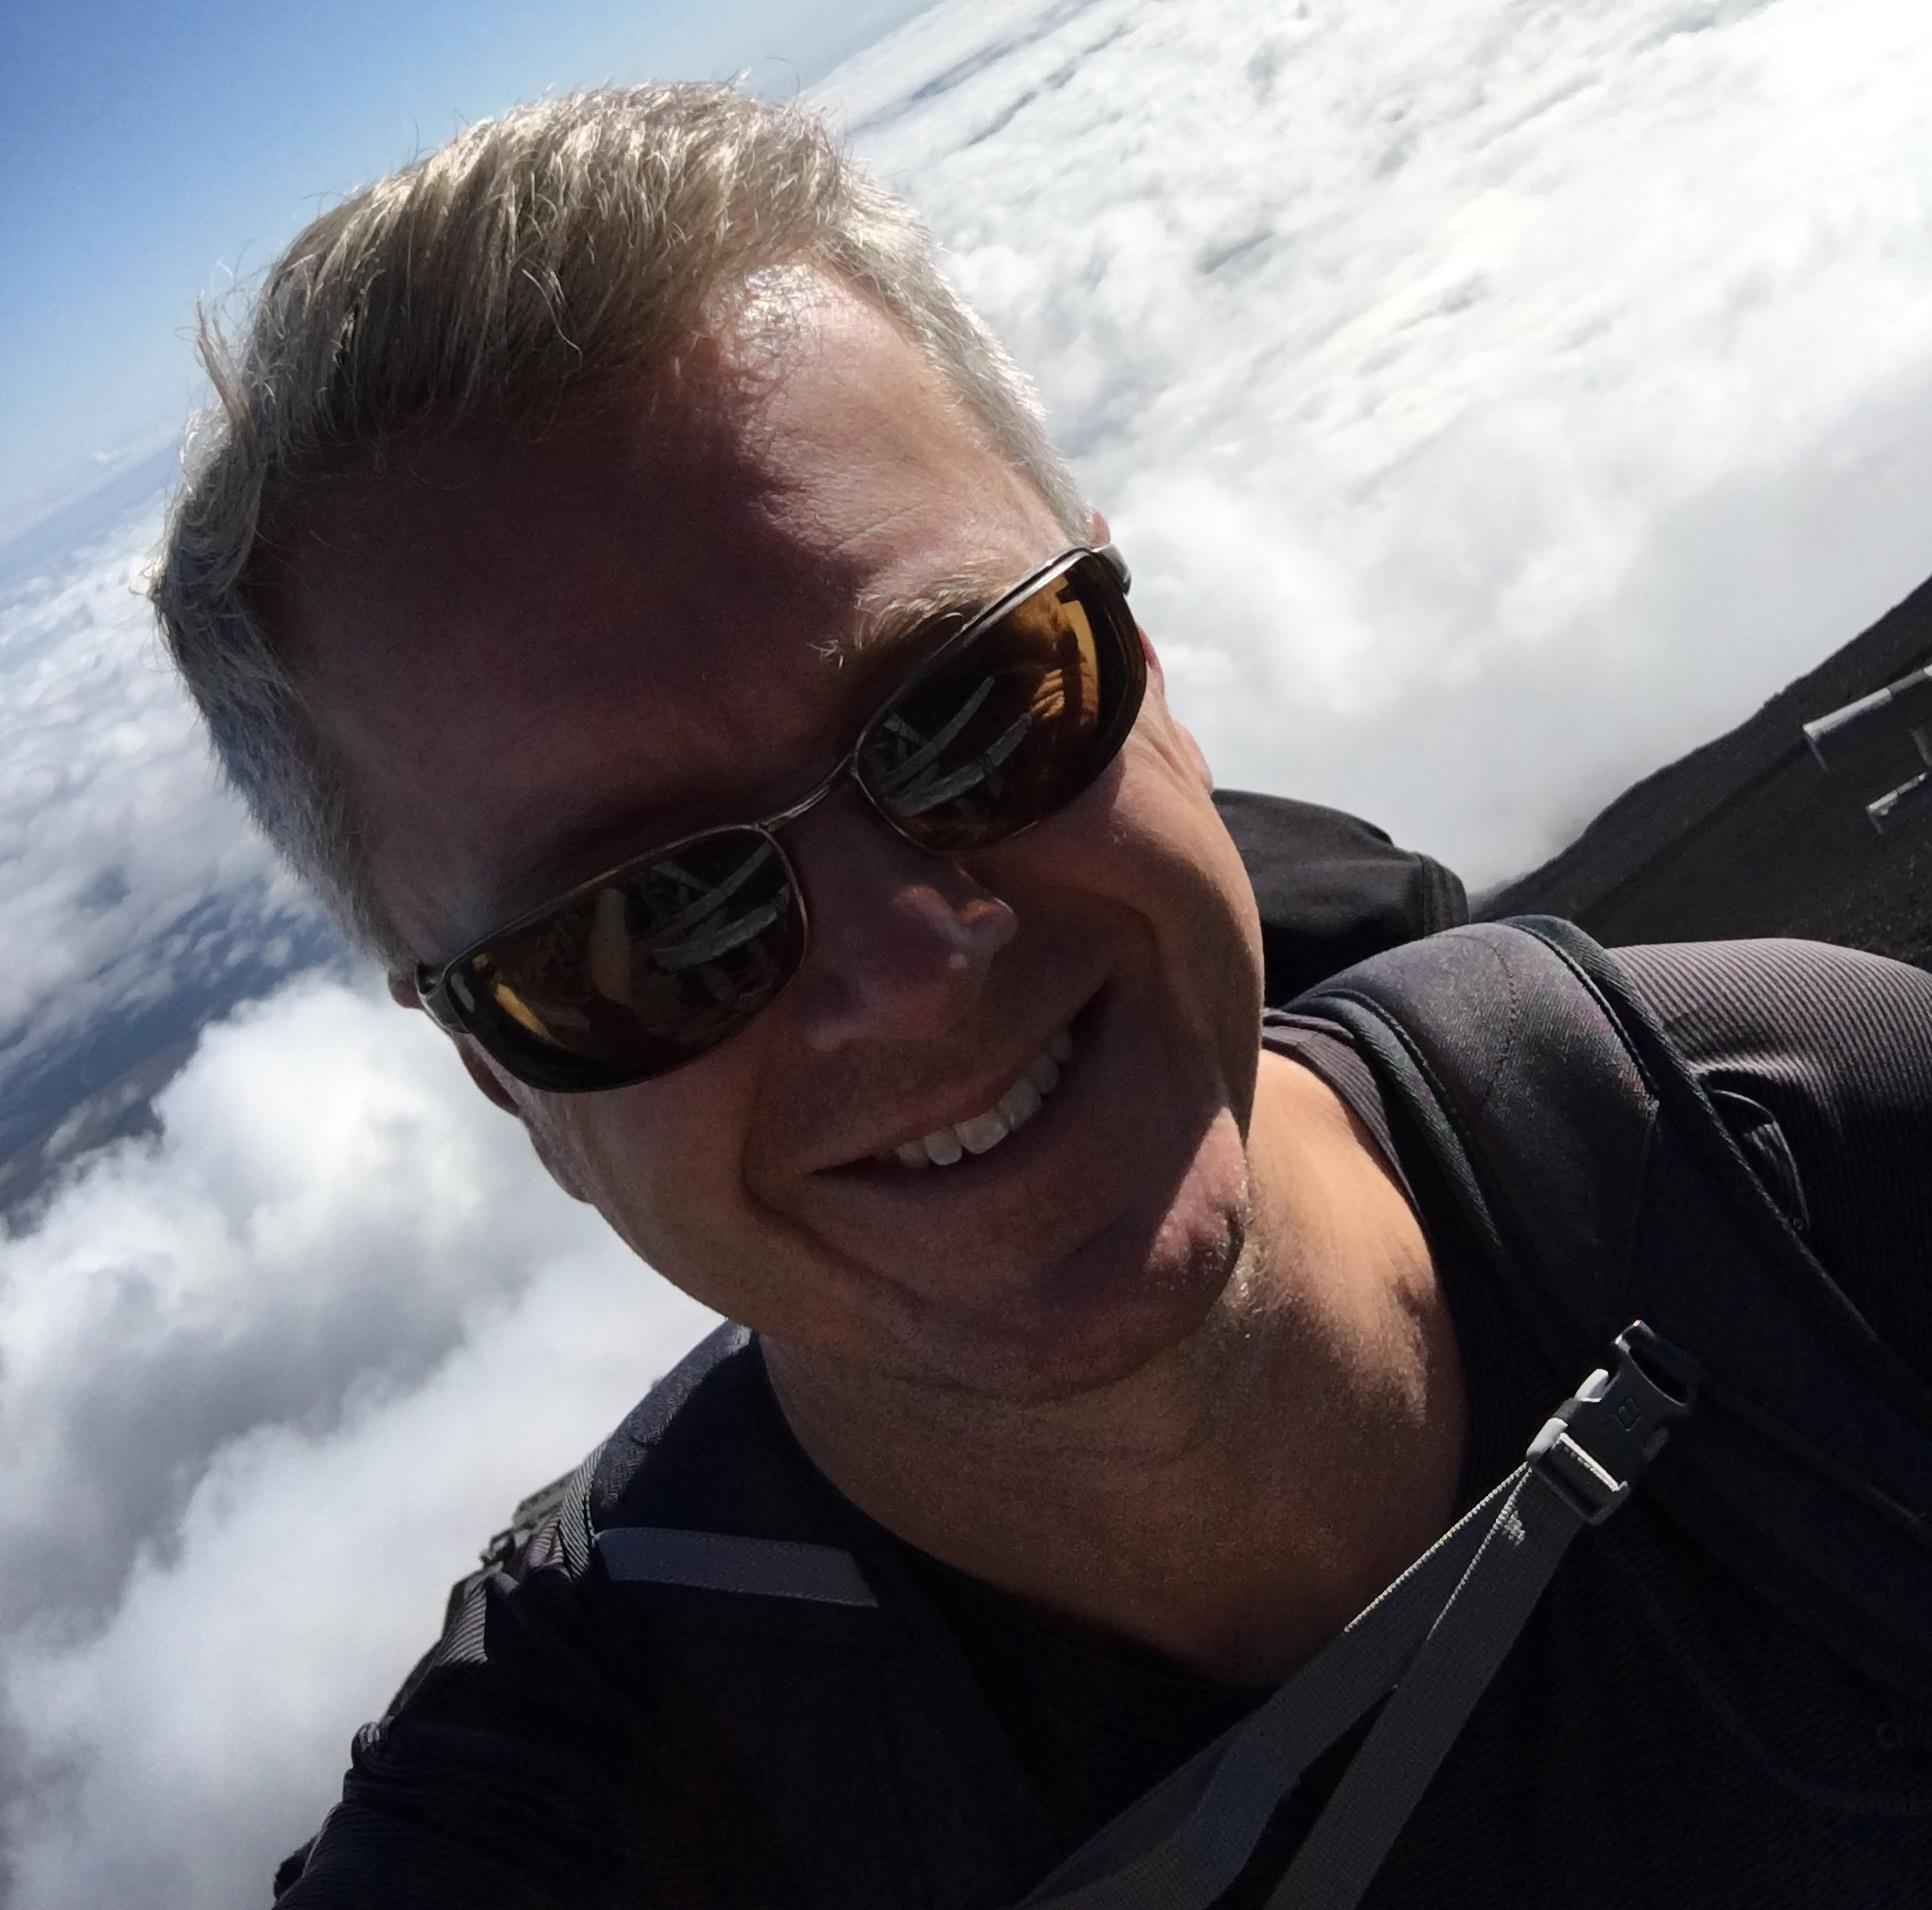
{"points": [[1430, 1644], [1604, 1183]]}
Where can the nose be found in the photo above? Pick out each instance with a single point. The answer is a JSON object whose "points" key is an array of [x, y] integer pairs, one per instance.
{"points": [[901, 942]]}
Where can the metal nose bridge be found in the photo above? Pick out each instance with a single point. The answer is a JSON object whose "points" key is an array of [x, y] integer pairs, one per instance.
{"points": [[844, 770], [847, 769]]}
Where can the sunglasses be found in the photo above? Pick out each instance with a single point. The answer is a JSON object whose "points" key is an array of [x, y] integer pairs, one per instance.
{"points": [[654, 963]]}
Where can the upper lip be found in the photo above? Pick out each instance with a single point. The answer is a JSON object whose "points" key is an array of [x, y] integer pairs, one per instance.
{"points": [[966, 1102]]}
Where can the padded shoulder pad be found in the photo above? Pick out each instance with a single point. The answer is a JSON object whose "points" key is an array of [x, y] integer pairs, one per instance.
{"points": [[710, 1369], [1486, 1031]]}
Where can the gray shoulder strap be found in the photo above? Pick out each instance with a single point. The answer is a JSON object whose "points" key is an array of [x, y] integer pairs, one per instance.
{"points": [[1435, 1638], [723, 1562]]}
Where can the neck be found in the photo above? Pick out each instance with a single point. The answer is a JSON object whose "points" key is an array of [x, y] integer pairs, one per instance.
{"points": [[1238, 1498]]}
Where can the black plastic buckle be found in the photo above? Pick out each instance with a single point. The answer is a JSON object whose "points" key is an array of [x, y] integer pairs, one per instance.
{"points": [[1594, 1447]]}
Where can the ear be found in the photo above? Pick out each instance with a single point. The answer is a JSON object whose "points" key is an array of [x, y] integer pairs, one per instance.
{"points": [[480, 1072], [551, 1148], [402, 991], [487, 1083], [1191, 752], [1155, 674], [1099, 532], [543, 1137]]}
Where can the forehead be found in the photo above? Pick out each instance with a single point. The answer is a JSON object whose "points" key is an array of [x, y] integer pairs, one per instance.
{"points": [[540, 650]]}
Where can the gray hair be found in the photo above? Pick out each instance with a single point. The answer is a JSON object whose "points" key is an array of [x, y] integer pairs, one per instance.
{"points": [[566, 241]]}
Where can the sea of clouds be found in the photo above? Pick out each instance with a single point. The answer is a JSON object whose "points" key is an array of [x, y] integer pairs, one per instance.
{"points": [[1493, 399]]}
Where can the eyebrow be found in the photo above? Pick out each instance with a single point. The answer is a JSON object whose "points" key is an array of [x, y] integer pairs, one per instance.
{"points": [[883, 618]]}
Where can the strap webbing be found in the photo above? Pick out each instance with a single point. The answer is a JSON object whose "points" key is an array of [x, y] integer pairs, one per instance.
{"points": [[1481, 1621], [1185, 1842], [1436, 1636], [722, 1562]]}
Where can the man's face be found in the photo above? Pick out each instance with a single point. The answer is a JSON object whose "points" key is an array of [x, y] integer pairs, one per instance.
{"points": [[544, 653]]}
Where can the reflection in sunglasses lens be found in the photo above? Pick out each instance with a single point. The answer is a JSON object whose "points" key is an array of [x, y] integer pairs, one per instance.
{"points": [[997, 734], [650, 969]]}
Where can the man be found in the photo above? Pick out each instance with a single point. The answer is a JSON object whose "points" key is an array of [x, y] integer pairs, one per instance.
{"points": [[616, 543]]}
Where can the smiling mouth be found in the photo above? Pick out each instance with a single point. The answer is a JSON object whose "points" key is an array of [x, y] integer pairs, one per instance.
{"points": [[981, 1133]]}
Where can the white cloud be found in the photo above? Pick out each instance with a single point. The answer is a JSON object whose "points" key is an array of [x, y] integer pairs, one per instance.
{"points": [[130, 875], [270, 1382]]}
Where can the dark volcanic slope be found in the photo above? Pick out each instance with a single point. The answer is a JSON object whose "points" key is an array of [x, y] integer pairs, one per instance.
{"points": [[1748, 836]]}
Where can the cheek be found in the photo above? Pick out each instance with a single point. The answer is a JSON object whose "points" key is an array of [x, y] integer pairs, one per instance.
{"points": [[1166, 801], [661, 1161], [1195, 893]]}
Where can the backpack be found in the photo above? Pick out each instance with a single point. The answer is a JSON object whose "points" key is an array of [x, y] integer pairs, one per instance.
{"points": [[1811, 1466]]}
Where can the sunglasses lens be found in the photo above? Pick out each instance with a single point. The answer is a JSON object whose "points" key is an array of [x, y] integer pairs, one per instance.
{"points": [[644, 973], [999, 731]]}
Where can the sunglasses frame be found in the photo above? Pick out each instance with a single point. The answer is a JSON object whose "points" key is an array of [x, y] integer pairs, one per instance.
{"points": [[433, 984]]}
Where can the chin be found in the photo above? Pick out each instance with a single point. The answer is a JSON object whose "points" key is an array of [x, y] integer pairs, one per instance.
{"points": [[1099, 1316]]}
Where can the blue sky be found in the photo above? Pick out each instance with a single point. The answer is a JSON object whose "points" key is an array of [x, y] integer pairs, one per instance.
{"points": [[148, 153]]}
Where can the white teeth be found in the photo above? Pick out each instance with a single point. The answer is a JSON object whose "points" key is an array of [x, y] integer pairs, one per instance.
{"points": [[1018, 1105], [982, 1132]]}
